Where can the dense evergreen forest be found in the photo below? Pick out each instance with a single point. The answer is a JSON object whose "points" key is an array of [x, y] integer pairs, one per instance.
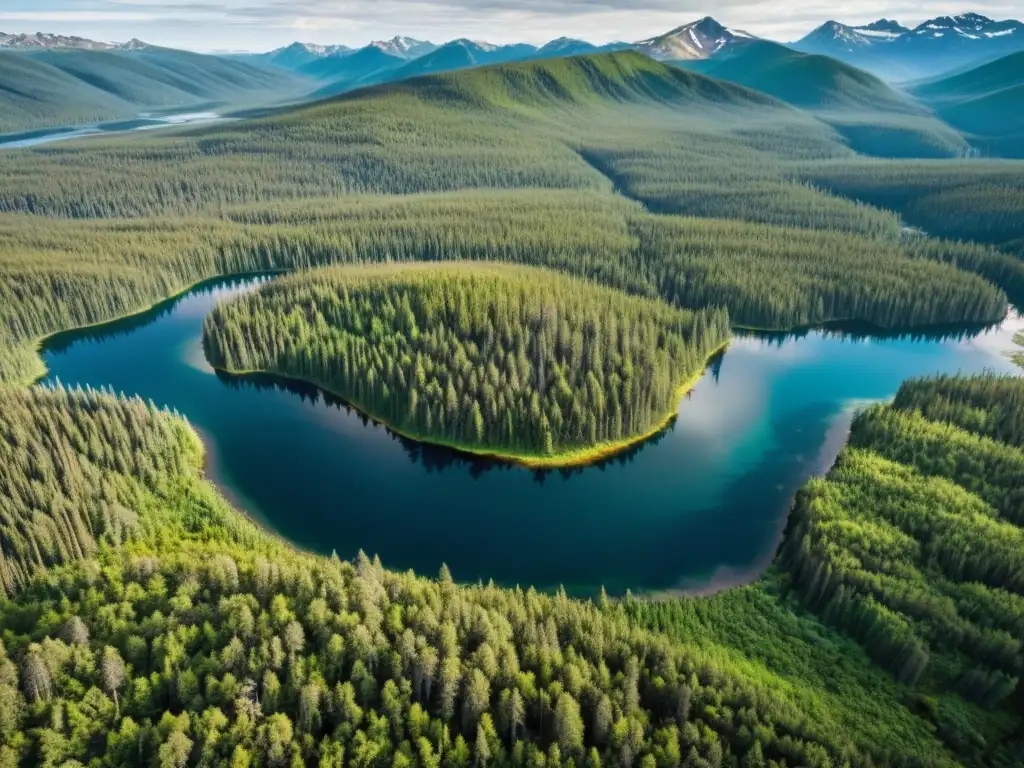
{"points": [[161, 628], [513, 361], [82, 272]]}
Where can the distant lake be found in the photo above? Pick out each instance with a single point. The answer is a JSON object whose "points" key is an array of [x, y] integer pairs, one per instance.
{"points": [[700, 506], [144, 122]]}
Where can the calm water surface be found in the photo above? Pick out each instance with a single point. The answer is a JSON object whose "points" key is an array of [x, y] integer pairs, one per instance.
{"points": [[701, 505]]}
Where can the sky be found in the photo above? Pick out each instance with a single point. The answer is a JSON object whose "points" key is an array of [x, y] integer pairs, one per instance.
{"points": [[257, 25]]}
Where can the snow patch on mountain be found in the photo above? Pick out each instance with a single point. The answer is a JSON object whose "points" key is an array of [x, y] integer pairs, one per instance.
{"points": [[696, 40]]}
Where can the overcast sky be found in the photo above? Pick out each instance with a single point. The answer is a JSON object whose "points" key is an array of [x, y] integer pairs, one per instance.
{"points": [[264, 24]]}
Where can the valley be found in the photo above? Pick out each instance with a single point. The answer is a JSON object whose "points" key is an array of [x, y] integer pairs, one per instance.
{"points": [[691, 366]]}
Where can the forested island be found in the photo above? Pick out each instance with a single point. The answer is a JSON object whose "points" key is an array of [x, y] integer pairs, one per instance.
{"points": [[518, 363]]}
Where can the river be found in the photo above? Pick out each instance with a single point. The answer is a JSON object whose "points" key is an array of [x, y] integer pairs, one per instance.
{"points": [[144, 122], [699, 507]]}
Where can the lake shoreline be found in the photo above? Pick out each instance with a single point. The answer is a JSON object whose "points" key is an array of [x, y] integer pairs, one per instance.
{"points": [[722, 478], [568, 459], [39, 344]]}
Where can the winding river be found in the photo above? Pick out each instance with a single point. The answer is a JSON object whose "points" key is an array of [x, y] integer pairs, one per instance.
{"points": [[697, 508], [144, 122]]}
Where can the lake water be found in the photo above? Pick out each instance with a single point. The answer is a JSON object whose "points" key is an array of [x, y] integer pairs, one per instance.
{"points": [[144, 122], [699, 507]]}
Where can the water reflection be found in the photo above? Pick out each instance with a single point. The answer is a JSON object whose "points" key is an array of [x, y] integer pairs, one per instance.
{"points": [[865, 332], [438, 458], [702, 502]]}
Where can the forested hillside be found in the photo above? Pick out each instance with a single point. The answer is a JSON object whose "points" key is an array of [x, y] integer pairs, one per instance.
{"points": [[511, 361], [46, 88], [764, 276], [986, 102], [913, 544], [522, 163]]}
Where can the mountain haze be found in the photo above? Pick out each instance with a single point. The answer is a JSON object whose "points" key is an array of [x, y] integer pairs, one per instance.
{"points": [[52, 87], [987, 103], [937, 45], [809, 81]]}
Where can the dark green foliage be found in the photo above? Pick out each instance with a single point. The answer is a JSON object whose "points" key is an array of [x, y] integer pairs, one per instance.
{"points": [[504, 359], [202, 641], [897, 135], [992, 406], [201, 637], [977, 200], [913, 544], [992, 470], [778, 278], [79, 470], [75, 273]]}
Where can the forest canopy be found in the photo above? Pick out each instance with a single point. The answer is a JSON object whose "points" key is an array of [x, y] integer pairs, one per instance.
{"points": [[164, 629], [518, 362]]}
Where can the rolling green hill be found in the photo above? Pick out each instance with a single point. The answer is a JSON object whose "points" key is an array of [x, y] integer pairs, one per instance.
{"points": [[874, 118], [594, 80], [805, 80], [34, 94], [62, 87], [987, 103]]}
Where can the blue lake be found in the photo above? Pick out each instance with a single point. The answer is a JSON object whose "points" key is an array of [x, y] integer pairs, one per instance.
{"points": [[699, 507]]}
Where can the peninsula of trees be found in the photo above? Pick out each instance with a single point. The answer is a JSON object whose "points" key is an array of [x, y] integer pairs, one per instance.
{"points": [[516, 362]]}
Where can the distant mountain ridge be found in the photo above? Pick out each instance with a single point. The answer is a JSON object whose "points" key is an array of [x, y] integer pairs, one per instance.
{"points": [[57, 86], [934, 46], [48, 41], [987, 103], [450, 57]]}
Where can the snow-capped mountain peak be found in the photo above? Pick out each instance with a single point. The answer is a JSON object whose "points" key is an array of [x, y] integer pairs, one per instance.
{"points": [[935, 45], [696, 40], [48, 40], [404, 47], [313, 49], [134, 45]]}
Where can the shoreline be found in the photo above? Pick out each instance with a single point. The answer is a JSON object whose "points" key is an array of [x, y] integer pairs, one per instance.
{"points": [[38, 344], [567, 459]]}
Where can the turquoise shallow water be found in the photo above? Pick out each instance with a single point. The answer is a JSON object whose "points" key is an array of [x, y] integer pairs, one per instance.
{"points": [[699, 506]]}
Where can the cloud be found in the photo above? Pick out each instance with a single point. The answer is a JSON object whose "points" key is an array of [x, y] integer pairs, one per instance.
{"points": [[255, 23]]}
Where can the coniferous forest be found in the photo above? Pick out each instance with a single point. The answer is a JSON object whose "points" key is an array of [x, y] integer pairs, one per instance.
{"points": [[511, 361], [603, 220]]}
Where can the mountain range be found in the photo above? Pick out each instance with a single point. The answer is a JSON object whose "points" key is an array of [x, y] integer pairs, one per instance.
{"points": [[47, 41], [64, 84], [49, 79], [940, 44]]}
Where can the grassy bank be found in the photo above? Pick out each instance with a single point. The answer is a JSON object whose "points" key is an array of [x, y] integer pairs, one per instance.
{"points": [[562, 460]]}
